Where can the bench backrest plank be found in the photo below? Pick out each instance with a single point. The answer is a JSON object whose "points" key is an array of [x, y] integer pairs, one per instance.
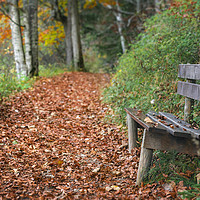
{"points": [[189, 71], [189, 90]]}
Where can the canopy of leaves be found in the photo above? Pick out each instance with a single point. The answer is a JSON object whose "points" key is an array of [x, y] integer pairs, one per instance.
{"points": [[148, 72]]}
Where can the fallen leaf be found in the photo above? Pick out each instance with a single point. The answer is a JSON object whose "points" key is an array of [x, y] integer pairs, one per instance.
{"points": [[116, 172], [115, 187], [96, 170], [108, 188], [148, 120]]}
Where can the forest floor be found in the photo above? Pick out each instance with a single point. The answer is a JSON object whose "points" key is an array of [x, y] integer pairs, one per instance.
{"points": [[56, 144]]}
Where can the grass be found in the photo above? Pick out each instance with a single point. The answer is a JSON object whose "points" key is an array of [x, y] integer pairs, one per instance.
{"points": [[9, 84]]}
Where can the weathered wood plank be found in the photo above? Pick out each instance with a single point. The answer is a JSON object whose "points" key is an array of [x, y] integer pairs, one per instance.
{"points": [[132, 133], [139, 117], [145, 161], [175, 130], [189, 71], [167, 142], [195, 133], [188, 108], [189, 90]]}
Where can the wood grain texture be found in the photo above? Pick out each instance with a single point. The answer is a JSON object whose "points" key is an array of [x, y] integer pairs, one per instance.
{"points": [[139, 117], [189, 71], [169, 125], [145, 161], [167, 142], [188, 109], [184, 125], [189, 90], [132, 133]]}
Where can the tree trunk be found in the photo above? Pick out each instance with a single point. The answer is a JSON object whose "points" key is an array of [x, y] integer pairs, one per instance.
{"points": [[68, 38], [19, 56], [76, 41], [120, 24], [157, 6], [66, 22], [33, 10], [138, 6], [27, 35]]}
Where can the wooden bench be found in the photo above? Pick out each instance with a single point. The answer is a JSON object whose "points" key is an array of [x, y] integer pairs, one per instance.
{"points": [[164, 131]]}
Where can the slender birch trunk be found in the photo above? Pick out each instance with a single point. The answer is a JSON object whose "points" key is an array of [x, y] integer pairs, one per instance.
{"points": [[138, 7], [120, 24], [157, 6], [19, 56], [27, 35]]}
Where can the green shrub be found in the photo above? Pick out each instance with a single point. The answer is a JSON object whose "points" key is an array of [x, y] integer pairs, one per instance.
{"points": [[10, 84], [147, 74], [146, 78], [173, 166], [52, 70]]}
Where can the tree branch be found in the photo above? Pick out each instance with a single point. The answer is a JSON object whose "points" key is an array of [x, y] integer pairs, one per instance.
{"points": [[117, 11], [57, 15], [7, 15]]}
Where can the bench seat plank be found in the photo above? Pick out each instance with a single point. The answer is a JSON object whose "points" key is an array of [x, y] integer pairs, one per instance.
{"points": [[194, 132], [171, 128], [139, 117], [189, 90], [167, 142]]}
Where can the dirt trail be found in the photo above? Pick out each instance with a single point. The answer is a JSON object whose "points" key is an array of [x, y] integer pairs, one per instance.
{"points": [[55, 144]]}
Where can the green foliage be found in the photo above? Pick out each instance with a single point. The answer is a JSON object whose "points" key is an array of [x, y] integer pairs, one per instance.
{"points": [[146, 78], [147, 74], [10, 84], [94, 61], [173, 166], [191, 194], [100, 23], [52, 70]]}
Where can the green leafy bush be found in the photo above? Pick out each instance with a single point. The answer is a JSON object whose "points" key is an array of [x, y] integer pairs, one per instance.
{"points": [[169, 165], [146, 78], [10, 84], [52, 69], [147, 74]]}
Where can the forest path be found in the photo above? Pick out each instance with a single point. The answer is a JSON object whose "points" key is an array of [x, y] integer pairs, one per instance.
{"points": [[55, 144]]}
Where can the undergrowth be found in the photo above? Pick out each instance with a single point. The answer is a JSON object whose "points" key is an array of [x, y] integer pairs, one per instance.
{"points": [[172, 166], [10, 84], [169, 165], [146, 78], [146, 75]]}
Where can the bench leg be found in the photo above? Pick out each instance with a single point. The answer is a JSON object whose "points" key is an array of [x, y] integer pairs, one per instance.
{"points": [[132, 133], [145, 161]]}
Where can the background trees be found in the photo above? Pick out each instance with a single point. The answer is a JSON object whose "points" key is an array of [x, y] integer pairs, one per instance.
{"points": [[102, 30], [26, 58], [148, 72], [15, 25], [70, 22]]}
